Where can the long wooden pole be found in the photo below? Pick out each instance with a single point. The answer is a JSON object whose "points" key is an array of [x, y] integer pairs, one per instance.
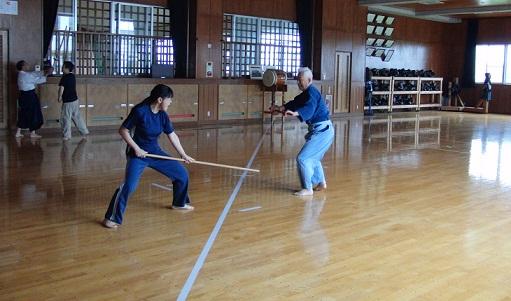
{"points": [[201, 162]]}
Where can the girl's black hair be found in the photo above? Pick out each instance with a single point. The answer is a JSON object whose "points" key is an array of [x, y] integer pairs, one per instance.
{"points": [[19, 65], [159, 90]]}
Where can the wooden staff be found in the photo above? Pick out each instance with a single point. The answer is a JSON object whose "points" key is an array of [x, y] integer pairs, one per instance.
{"points": [[201, 162]]}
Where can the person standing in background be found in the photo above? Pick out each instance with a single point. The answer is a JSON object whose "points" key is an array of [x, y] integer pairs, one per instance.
{"points": [[29, 107], [486, 95], [70, 104]]}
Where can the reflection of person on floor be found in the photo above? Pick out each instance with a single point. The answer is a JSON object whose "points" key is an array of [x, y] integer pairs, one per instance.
{"points": [[29, 159], [72, 160], [29, 107], [149, 119], [486, 95], [309, 106], [312, 235]]}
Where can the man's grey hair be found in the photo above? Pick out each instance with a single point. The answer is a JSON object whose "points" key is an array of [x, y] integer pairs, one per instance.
{"points": [[306, 72]]}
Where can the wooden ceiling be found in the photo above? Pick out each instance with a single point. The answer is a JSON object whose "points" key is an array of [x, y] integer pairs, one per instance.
{"points": [[442, 10]]}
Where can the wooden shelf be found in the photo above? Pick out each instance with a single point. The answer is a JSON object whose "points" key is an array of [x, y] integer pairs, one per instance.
{"points": [[431, 92], [430, 105], [436, 96], [389, 78], [376, 107], [435, 79], [404, 106], [406, 78], [405, 92]]}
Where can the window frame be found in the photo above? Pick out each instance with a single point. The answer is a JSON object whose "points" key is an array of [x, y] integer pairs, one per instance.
{"points": [[505, 65], [288, 43], [106, 23]]}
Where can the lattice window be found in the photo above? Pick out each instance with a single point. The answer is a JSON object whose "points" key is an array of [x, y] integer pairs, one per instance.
{"points": [[111, 38], [258, 41], [161, 25], [94, 16]]}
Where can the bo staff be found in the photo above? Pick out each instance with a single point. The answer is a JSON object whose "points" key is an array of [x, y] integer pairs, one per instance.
{"points": [[201, 162]]}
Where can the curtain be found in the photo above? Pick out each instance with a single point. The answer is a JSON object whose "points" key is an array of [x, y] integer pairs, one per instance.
{"points": [[182, 14], [305, 18], [50, 8], [468, 78]]}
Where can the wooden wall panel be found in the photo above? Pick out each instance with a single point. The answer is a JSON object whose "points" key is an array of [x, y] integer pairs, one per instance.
{"points": [[185, 103], [138, 92], [329, 17], [494, 30], [237, 7], [344, 41], [48, 94], [106, 104], [284, 9], [328, 55], [359, 19], [357, 97], [254, 101], [232, 102], [208, 102], [344, 16], [358, 57]]}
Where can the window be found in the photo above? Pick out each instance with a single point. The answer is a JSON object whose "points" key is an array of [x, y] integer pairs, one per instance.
{"points": [[258, 41], [110, 38], [490, 58]]}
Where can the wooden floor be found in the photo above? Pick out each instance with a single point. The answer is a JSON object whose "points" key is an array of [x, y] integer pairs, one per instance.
{"points": [[418, 207]]}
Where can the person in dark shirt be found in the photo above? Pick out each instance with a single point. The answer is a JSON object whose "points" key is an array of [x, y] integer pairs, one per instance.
{"points": [[310, 107], [486, 95], [70, 103], [149, 119]]}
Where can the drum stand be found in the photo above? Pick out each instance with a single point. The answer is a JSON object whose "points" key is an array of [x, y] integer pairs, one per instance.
{"points": [[273, 89]]}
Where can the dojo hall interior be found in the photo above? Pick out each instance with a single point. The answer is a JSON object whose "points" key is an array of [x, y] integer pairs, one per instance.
{"points": [[419, 180]]}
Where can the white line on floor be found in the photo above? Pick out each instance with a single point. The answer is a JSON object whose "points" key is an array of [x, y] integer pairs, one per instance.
{"points": [[250, 209], [161, 186], [209, 244]]}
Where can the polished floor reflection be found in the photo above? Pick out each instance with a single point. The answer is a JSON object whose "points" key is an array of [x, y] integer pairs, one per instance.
{"points": [[417, 207]]}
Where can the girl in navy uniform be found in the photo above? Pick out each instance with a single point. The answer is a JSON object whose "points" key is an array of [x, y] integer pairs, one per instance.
{"points": [[310, 107], [486, 95], [149, 119]]}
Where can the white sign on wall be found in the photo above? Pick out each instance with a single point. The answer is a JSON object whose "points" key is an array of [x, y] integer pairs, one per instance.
{"points": [[9, 7]]}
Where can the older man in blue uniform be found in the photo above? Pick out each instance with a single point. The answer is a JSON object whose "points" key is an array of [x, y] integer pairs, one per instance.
{"points": [[311, 108]]}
